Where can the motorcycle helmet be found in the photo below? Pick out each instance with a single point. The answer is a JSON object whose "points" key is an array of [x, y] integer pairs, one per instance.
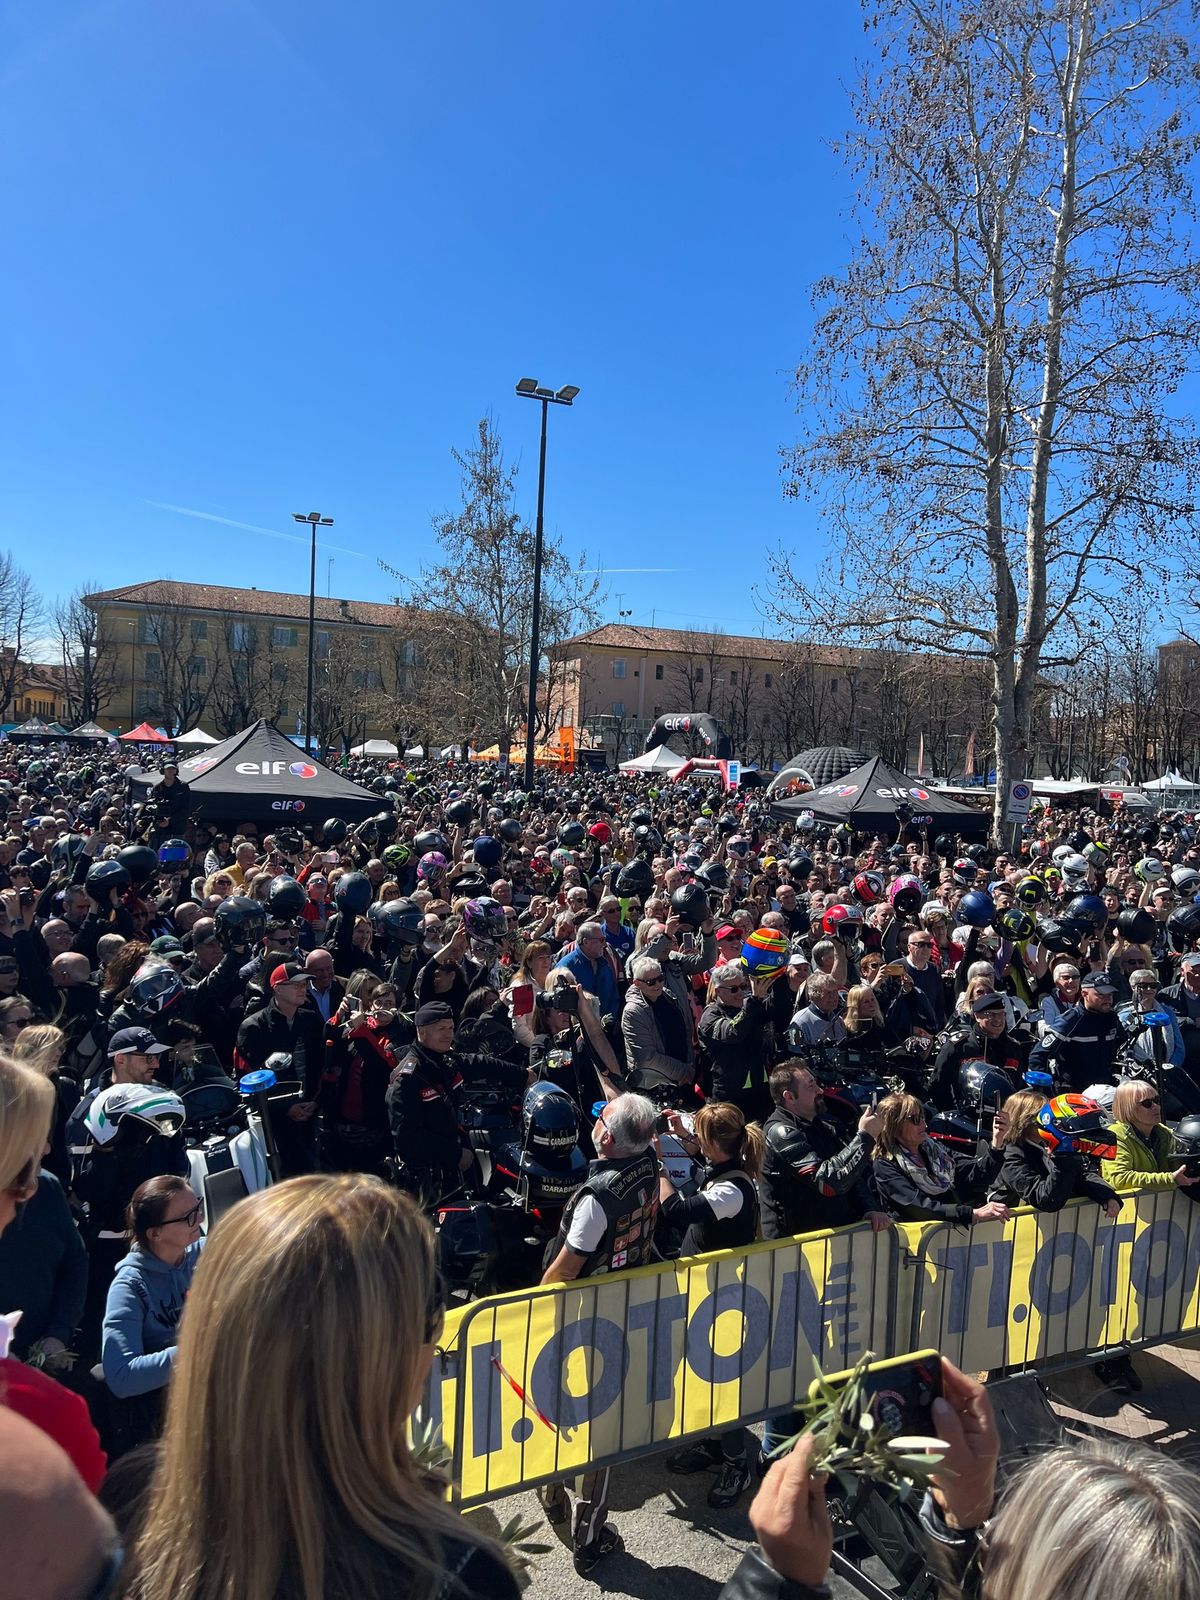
{"points": [[943, 845], [980, 1086], [1149, 870], [765, 952], [240, 922], [431, 839], [636, 878], [1136, 924], [867, 888], [964, 871], [738, 845], [640, 818], [1030, 891], [1089, 909], [1185, 879], [65, 850], [1060, 853], [906, 894], [459, 811], [600, 833], [431, 867], [549, 1124], [396, 857], [1096, 854], [510, 830], [484, 919], [147, 1108], [714, 875], [1183, 927], [352, 893], [1015, 922], [977, 908], [333, 830], [488, 852], [647, 839], [286, 898], [154, 986], [103, 877], [560, 859], [840, 921], [1187, 1135], [571, 834], [1073, 1122], [799, 867], [690, 904], [175, 854], [398, 921], [140, 861], [1074, 870]]}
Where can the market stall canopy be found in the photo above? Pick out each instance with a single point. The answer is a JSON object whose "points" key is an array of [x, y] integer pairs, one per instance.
{"points": [[376, 747], [661, 759], [195, 737], [259, 776], [144, 734], [35, 728], [89, 730], [867, 799], [1171, 783]]}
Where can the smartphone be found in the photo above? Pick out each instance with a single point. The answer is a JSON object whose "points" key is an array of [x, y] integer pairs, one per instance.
{"points": [[899, 1393], [893, 969], [522, 999]]}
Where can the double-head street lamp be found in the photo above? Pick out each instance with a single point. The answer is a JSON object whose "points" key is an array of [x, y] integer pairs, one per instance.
{"points": [[532, 390], [315, 520]]}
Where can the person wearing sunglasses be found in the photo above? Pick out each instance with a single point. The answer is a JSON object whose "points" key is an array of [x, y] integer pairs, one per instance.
{"points": [[1144, 986], [655, 1029], [145, 1302], [735, 1037], [1149, 1155]]}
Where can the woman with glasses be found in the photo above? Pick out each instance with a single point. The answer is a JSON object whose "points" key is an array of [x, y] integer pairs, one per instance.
{"points": [[655, 1030], [319, 1415], [919, 1180], [1143, 982], [734, 1034], [16, 1014], [145, 1302], [1148, 1154]]}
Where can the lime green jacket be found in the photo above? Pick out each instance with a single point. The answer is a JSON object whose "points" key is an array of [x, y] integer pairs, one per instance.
{"points": [[1135, 1166]]}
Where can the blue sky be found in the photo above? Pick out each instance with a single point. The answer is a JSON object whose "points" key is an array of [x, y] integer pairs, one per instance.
{"points": [[266, 256]]}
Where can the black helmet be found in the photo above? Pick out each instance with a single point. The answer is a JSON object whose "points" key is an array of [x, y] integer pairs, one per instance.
{"points": [[432, 840], [175, 854], [459, 811], [510, 830], [636, 877], [647, 838], [396, 921], [690, 904], [713, 875], [1183, 927], [140, 861], [154, 987], [240, 922], [799, 867], [1060, 938], [289, 840], [1187, 1135], [640, 818], [549, 1123], [1135, 924], [571, 834], [381, 827], [353, 893], [333, 830], [944, 845], [66, 848], [980, 1086], [103, 877], [285, 897]]}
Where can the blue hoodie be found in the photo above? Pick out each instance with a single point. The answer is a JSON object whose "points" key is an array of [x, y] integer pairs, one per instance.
{"points": [[141, 1320]]}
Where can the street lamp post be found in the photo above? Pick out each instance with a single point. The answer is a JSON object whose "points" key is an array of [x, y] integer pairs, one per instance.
{"points": [[132, 668], [532, 390], [315, 520]]}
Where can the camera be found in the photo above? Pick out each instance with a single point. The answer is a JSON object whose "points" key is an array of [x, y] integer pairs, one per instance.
{"points": [[26, 896], [565, 998]]}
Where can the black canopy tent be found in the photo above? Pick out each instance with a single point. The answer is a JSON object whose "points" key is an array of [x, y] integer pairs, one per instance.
{"points": [[868, 797], [260, 776]]}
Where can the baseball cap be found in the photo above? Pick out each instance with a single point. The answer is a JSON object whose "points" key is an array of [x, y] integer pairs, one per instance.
{"points": [[135, 1042], [168, 947], [1191, 959], [1100, 982], [287, 972], [728, 931]]}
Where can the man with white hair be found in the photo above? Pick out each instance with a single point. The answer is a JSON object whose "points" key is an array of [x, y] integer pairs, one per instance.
{"points": [[608, 1224]]}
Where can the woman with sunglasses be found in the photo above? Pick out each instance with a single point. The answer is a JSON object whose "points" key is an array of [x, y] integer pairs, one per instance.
{"points": [[145, 1302], [1143, 981], [321, 1416], [1148, 1153], [920, 1181], [733, 1033]]}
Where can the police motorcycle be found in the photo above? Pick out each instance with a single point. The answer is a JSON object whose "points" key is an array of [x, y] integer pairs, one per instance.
{"points": [[231, 1150], [1145, 1058]]}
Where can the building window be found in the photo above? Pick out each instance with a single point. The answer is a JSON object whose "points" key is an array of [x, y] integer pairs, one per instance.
{"points": [[833, 686], [199, 629], [145, 630], [152, 700], [322, 648], [198, 666], [767, 680], [618, 669], [618, 708], [698, 675], [151, 663], [242, 636], [733, 679], [285, 638], [658, 672], [372, 679], [279, 671]]}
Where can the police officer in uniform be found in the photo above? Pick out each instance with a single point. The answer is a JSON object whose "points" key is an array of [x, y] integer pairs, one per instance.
{"points": [[608, 1225], [424, 1101], [1084, 1042], [986, 1044]]}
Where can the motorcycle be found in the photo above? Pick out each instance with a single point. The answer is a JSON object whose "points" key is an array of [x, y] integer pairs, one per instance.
{"points": [[230, 1149]]}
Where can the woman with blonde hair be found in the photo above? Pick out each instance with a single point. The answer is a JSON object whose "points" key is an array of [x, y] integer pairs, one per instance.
{"points": [[285, 1471], [26, 1109], [721, 1215], [41, 1046], [921, 1181], [1148, 1154], [863, 1020]]}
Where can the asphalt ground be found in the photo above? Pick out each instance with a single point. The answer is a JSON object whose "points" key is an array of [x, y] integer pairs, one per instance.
{"points": [[678, 1548]]}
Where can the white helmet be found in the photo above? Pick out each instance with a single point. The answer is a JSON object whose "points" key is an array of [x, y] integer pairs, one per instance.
{"points": [[1060, 854], [1186, 879], [159, 1109], [1073, 866]]}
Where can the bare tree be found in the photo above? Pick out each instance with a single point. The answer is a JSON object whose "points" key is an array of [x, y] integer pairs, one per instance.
{"points": [[988, 404], [252, 673], [21, 615], [175, 664], [89, 656]]}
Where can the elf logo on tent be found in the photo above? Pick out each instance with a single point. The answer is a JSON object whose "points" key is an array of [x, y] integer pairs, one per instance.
{"points": [[902, 794], [287, 805], [199, 765], [272, 769], [845, 790]]}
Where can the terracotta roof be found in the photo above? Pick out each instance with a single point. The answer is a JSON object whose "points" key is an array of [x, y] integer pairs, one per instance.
{"points": [[681, 641], [245, 602]]}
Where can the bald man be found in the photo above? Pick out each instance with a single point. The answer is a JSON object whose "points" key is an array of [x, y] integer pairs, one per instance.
{"points": [[58, 1542]]}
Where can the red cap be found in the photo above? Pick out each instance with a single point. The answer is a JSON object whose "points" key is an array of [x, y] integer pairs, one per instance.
{"points": [[728, 931]]}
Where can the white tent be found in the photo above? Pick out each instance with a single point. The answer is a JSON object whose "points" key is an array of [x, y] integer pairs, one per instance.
{"points": [[661, 759], [375, 747], [1171, 781], [196, 737]]}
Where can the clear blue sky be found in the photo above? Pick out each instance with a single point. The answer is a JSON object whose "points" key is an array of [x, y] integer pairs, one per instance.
{"points": [[265, 256]]}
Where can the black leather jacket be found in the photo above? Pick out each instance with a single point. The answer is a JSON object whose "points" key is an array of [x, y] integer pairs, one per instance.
{"points": [[812, 1178]]}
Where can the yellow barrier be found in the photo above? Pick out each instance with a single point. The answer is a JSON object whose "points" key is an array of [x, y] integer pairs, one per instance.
{"points": [[1043, 1286], [546, 1382]]}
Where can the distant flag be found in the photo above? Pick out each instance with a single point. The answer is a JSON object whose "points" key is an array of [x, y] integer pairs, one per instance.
{"points": [[921, 758], [969, 756]]}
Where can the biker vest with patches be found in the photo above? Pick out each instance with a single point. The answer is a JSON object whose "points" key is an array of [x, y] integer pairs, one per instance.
{"points": [[627, 1191]]}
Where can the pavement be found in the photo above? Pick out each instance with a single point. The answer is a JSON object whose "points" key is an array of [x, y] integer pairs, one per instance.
{"points": [[678, 1548]]}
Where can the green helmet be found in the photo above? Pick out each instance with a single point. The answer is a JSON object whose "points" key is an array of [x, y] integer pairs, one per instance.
{"points": [[397, 857]]}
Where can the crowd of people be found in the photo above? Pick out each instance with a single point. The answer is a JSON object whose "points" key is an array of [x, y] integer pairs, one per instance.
{"points": [[835, 1028]]}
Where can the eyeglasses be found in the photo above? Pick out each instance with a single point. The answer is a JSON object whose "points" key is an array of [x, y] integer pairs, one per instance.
{"points": [[920, 944], [1152, 1101], [191, 1217], [917, 1122], [735, 988], [1145, 985], [17, 1022], [651, 983]]}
